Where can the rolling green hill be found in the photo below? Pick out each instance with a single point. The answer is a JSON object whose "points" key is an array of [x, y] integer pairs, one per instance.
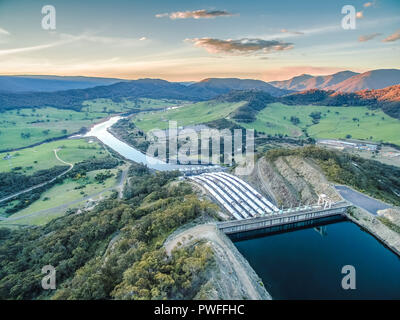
{"points": [[334, 122], [189, 115]]}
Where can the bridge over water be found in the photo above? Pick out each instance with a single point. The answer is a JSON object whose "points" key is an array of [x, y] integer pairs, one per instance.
{"points": [[289, 217]]}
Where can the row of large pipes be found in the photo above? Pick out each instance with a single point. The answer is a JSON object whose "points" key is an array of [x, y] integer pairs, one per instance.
{"points": [[223, 200], [240, 199]]}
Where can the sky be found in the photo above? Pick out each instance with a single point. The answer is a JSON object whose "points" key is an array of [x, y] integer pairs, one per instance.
{"points": [[192, 40]]}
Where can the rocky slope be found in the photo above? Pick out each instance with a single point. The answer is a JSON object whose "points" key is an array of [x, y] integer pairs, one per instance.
{"points": [[377, 228], [231, 277], [291, 181]]}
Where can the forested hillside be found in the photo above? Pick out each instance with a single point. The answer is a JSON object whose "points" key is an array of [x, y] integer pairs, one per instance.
{"points": [[113, 251]]}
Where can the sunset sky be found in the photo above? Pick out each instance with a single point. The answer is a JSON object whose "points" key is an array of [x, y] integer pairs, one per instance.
{"points": [[193, 40]]}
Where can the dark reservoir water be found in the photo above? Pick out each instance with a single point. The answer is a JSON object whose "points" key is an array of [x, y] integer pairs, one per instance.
{"points": [[306, 264]]}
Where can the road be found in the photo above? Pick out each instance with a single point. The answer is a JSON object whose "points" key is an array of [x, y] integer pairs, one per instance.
{"points": [[118, 187], [361, 200], [71, 166]]}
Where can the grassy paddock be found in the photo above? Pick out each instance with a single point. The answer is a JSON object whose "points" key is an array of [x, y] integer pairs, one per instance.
{"points": [[189, 115], [42, 157], [24, 127], [335, 122], [71, 190], [109, 106]]}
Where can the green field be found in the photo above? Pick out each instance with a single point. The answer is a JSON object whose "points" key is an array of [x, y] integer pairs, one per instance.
{"points": [[24, 127], [109, 106], [69, 193], [189, 115], [335, 122], [42, 156]]}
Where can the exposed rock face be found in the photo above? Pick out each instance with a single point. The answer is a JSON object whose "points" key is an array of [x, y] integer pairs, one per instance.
{"points": [[291, 181], [392, 214]]}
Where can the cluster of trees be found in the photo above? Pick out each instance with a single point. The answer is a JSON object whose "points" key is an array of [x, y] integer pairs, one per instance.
{"points": [[374, 178], [113, 251], [128, 132], [316, 116], [255, 102], [103, 176], [294, 120], [12, 182]]}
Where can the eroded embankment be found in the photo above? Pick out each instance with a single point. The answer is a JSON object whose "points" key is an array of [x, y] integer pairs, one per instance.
{"points": [[231, 277]]}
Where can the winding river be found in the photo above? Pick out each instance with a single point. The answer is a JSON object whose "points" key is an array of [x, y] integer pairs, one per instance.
{"points": [[100, 131]]}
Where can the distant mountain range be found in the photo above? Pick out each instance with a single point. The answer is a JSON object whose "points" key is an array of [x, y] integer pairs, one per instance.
{"points": [[224, 85], [306, 81], [143, 88], [256, 93], [388, 99], [50, 83], [345, 81], [208, 87]]}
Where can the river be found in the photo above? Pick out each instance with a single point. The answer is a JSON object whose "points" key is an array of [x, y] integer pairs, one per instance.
{"points": [[306, 264], [100, 131]]}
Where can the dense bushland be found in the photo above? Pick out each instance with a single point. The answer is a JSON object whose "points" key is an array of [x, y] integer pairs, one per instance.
{"points": [[113, 251]]}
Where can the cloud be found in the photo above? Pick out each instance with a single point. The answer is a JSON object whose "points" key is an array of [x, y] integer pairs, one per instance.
{"points": [[292, 32], [118, 41], [4, 32], [393, 37], [369, 4], [162, 15], [241, 46], [368, 37], [359, 15], [196, 14], [64, 38]]}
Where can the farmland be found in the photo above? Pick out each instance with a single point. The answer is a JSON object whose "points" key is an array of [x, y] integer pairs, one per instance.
{"points": [[24, 127], [332, 122], [42, 156], [188, 115], [109, 106], [69, 194]]}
